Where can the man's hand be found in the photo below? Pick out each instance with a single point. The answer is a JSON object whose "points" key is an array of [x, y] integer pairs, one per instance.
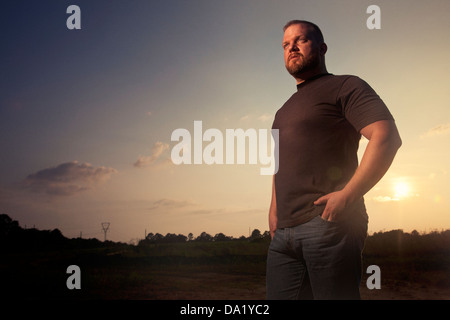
{"points": [[335, 204]]}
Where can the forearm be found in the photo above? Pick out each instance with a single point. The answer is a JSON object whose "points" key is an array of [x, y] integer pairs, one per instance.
{"points": [[377, 159], [384, 142], [273, 210]]}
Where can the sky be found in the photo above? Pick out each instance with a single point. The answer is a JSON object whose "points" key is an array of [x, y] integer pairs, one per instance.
{"points": [[86, 115]]}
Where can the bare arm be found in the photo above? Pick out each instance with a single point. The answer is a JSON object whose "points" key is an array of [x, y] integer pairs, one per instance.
{"points": [[384, 141], [273, 211]]}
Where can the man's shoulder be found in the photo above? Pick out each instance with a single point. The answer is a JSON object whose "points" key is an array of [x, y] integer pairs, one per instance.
{"points": [[332, 82], [348, 83], [345, 78]]}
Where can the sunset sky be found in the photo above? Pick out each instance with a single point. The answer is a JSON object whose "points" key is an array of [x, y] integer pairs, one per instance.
{"points": [[86, 116]]}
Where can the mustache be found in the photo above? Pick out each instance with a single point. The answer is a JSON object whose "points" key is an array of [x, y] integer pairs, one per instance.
{"points": [[294, 55]]}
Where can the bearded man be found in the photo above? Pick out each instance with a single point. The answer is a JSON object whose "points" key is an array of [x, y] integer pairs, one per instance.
{"points": [[317, 217]]}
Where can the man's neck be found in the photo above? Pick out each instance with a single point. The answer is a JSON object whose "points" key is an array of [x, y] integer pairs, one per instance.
{"points": [[310, 74]]}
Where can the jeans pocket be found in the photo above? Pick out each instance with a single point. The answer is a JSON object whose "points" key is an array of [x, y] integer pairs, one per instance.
{"points": [[327, 221], [275, 242]]}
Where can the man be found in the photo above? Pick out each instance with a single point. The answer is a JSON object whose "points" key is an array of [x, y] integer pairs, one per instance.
{"points": [[317, 216]]}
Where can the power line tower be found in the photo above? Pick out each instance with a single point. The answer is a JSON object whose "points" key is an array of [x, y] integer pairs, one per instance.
{"points": [[105, 226]]}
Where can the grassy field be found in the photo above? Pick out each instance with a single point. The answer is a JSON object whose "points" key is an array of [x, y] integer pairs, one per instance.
{"points": [[412, 267], [34, 265]]}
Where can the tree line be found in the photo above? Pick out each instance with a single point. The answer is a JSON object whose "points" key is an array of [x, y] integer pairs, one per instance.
{"points": [[13, 237], [203, 237]]}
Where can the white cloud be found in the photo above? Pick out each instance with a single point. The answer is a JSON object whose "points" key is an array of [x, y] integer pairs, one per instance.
{"points": [[67, 178], [157, 150], [171, 203], [384, 199], [246, 117], [437, 130], [265, 117]]}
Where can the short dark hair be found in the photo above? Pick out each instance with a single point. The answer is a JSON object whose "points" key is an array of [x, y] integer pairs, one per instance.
{"points": [[316, 30]]}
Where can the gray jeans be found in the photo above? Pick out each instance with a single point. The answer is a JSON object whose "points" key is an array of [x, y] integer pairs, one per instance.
{"points": [[316, 260]]}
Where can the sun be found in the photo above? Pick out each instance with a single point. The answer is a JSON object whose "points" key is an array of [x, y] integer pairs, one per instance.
{"points": [[402, 189]]}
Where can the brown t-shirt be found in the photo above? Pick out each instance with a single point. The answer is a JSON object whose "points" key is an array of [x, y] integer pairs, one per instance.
{"points": [[319, 132]]}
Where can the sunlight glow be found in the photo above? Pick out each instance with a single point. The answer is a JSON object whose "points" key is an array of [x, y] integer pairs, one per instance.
{"points": [[402, 189]]}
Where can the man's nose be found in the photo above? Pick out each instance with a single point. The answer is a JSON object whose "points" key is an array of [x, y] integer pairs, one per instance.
{"points": [[293, 47]]}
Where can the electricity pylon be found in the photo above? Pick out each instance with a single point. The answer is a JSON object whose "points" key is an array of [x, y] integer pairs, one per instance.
{"points": [[105, 226]]}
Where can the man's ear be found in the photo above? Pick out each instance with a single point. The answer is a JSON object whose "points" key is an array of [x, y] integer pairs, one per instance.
{"points": [[323, 48]]}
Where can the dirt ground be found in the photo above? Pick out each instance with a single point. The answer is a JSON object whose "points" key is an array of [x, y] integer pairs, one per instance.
{"points": [[218, 286], [405, 291]]}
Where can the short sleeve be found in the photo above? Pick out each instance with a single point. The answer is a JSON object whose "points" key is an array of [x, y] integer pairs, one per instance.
{"points": [[360, 104]]}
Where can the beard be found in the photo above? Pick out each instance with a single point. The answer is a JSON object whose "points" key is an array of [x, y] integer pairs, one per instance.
{"points": [[302, 64]]}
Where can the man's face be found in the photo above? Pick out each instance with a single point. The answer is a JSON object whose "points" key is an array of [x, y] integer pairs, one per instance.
{"points": [[301, 50]]}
